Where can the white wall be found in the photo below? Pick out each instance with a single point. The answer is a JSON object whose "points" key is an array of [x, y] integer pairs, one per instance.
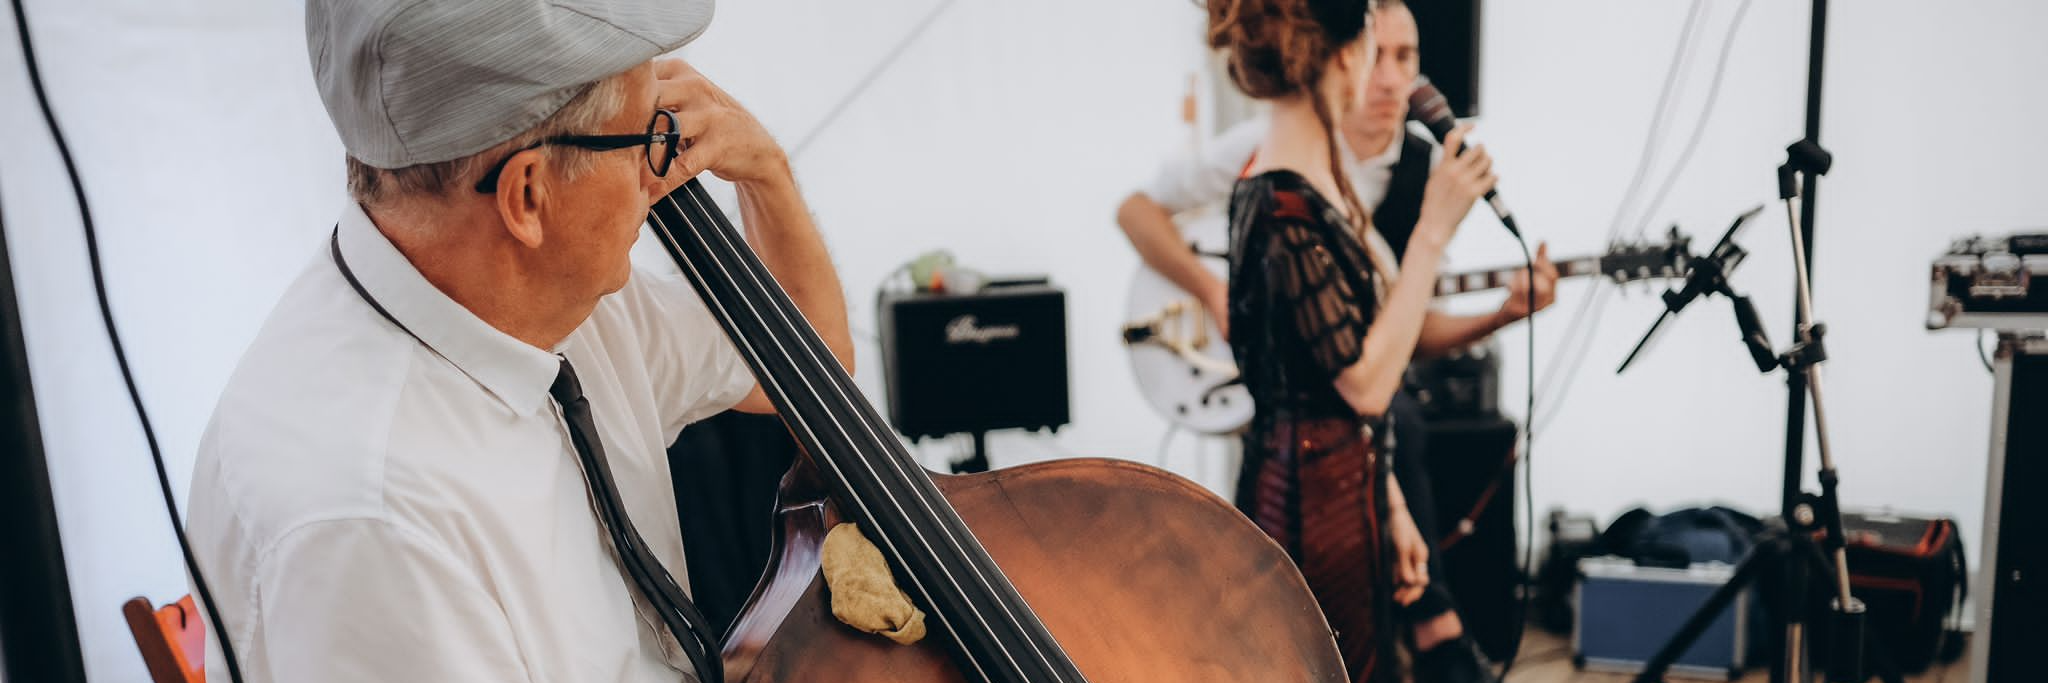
{"points": [[1910, 409], [1007, 134]]}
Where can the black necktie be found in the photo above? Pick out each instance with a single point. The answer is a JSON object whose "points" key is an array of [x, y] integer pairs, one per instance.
{"points": [[648, 576]]}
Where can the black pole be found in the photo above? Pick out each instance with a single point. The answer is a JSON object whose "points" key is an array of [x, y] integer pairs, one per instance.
{"points": [[1791, 610], [38, 632], [1795, 402]]}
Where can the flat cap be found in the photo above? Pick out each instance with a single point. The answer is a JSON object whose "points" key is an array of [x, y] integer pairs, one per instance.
{"points": [[421, 81]]}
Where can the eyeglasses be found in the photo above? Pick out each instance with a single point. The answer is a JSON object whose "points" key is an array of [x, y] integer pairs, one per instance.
{"points": [[661, 141]]}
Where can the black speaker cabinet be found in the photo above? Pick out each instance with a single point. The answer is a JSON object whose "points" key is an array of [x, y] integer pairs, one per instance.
{"points": [[957, 364], [1449, 33], [2012, 584], [1462, 455]]}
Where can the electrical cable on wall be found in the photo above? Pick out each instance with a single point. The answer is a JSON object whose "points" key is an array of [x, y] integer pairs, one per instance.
{"points": [[868, 80], [1587, 318], [1653, 138], [99, 286], [1699, 129], [1556, 398]]}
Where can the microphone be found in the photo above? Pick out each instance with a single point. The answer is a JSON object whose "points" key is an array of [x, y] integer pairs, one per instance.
{"points": [[1427, 104]]}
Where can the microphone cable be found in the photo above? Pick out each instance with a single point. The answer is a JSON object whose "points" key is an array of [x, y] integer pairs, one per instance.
{"points": [[99, 286], [1528, 462]]}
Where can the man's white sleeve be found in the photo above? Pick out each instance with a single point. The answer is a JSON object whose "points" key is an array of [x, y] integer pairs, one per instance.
{"points": [[1192, 181]]}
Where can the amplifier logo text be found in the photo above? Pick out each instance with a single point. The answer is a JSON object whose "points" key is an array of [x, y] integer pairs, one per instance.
{"points": [[967, 330]]}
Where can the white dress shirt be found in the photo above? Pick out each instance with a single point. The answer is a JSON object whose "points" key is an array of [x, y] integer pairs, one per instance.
{"points": [[371, 508], [1205, 176]]}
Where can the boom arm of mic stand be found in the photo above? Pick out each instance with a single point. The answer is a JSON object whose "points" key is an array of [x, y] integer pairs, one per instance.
{"points": [[1644, 343], [1753, 334]]}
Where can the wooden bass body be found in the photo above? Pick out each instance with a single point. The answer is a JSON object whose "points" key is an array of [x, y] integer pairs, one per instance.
{"points": [[1143, 577]]}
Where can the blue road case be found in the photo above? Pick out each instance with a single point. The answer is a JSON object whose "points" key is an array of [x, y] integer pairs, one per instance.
{"points": [[1626, 612]]}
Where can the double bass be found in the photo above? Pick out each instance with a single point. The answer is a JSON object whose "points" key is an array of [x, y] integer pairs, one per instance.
{"points": [[1059, 572]]}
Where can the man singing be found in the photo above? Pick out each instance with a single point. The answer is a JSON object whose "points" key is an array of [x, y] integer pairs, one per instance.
{"points": [[442, 457], [1390, 169]]}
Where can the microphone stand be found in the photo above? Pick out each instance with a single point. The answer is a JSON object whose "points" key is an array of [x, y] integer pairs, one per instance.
{"points": [[1811, 537], [38, 628], [1793, 545]]}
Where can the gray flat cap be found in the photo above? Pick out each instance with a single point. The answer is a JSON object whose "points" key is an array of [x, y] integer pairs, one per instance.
{"points": [[420, 81]]}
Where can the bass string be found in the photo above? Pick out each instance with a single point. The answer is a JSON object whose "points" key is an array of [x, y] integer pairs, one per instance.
{"points": [[926, 493], [935, 505], [716, 297], [805, 423]]}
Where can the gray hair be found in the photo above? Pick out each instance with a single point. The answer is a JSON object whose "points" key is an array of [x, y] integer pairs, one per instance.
{"points": [[598, 103]]}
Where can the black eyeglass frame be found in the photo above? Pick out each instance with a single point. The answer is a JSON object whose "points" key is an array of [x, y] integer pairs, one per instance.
{"points": [[668, 142]]}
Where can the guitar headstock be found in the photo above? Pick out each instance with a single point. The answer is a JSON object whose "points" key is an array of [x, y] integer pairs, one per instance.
{"points": [[1633, 261]]}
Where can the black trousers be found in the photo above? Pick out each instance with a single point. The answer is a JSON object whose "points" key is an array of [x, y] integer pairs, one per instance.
{"points": [[1411, 443]]}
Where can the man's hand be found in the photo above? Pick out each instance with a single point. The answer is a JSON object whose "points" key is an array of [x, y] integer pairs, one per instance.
{"points": [[1411, 558], [1517, 305], [718, 134]]}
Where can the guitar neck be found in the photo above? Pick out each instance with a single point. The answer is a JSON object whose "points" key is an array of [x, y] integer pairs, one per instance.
{"points": [[1480, 280]]}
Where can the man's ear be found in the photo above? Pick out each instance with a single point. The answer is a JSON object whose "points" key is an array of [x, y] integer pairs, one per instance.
{"points": [[1355, 60], [522, 191]]}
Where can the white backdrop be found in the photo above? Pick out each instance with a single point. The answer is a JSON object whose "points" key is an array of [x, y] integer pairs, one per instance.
{"points": [[1007, 134]]}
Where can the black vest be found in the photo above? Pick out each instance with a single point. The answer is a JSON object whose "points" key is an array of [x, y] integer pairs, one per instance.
{"points": [[1395, 216]]}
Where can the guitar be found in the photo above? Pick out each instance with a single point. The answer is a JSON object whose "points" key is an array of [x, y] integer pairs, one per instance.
{"points": [[1183, 364]]}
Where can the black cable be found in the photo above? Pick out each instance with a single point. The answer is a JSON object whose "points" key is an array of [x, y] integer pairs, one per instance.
{"points": [[99, 287], [1528, 469], [1981, 355]]}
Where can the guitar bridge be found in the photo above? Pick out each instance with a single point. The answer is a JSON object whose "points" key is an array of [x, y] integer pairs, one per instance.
{"points": [[1181, 327]]}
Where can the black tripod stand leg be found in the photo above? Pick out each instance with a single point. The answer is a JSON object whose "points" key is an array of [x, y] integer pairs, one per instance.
{"points": [[1872, 659], [1763, 555]]}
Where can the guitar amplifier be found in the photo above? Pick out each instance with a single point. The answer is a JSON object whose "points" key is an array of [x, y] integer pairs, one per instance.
{"points": [[1462, 384], [967, 363], [1482, 569]]}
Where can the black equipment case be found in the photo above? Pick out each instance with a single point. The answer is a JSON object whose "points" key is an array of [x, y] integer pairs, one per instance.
{"points": [[1910, 573]]}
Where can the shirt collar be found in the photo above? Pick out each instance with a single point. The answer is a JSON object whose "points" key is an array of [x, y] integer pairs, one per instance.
{"points": [[1389, 156], [517, 373]]}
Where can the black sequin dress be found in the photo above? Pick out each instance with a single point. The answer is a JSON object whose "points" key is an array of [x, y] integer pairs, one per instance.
{"points": [[1301, 298]]}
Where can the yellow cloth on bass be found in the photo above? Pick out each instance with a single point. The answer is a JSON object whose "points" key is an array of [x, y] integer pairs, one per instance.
{"points": [[864, 592]]}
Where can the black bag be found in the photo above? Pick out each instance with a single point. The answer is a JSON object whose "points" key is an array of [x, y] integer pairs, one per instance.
{"points": [[1912, 576], [1681, 538]]}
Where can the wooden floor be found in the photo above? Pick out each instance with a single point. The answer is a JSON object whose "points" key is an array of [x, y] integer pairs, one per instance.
{"points": [[1549, 660]]}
